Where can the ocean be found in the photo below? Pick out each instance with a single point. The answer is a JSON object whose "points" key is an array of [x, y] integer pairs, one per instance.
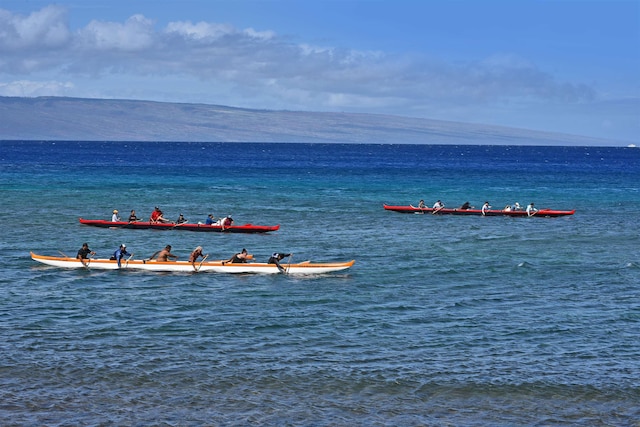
{"points": [[442, 321]]}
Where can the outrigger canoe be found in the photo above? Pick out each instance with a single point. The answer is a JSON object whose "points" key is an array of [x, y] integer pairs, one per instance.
{"points": [[305, 267], [141, 225], [490, 212]]}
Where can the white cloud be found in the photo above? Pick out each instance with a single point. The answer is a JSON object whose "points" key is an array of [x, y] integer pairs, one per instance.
{"points": [[200, 30], [35, 88], [44, 28], [264, 35], [136, 34], [213, 31]]}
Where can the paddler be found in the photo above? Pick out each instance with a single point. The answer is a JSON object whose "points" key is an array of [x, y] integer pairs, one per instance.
{"points": [[275, 258], [164, 254], [120, 253], [240, 257], [197, 253], [84, 252]]}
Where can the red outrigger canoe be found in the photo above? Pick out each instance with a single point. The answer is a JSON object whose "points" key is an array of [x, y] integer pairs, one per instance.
{"points": [[490, 212], [141, 225]]}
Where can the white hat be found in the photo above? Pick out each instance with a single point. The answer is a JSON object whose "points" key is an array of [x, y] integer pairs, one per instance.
{"points": [[123, 245]]}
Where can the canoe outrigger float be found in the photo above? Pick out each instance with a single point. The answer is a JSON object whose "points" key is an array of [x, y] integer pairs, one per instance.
{"points": [[488, 212], [305, 267], [141, 225]]}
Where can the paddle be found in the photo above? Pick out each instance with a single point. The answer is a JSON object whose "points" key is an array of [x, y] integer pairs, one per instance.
{"points": [[178, 224], [437, 209], [127, 261], [422, 208], [289, 263], [63, 254], [86, 264], [200, 265]]}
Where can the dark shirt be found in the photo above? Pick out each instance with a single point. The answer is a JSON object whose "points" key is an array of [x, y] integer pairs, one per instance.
{"points": [[275, 257], [236, 259], [83, 253]]}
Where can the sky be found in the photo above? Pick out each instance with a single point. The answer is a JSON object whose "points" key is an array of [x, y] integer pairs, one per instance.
{"points": [[570, 66]]}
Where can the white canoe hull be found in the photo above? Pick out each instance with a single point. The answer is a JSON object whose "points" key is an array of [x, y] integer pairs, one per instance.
{"points": [[187, 267]]}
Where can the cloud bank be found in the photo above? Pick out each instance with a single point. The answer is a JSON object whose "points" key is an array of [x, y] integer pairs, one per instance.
{"points": [[262, 62]]}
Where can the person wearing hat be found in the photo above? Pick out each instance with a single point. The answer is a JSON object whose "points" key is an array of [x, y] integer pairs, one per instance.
{"points": [[157, 216], [153, 218], [120, 253], [276, 257], [115, 217]]}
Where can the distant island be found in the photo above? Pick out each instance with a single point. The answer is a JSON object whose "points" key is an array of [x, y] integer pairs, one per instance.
{"points": [[83, 119]]}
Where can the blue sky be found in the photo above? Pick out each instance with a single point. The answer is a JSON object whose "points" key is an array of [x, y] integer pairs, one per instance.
{"points": [[560, 66]]}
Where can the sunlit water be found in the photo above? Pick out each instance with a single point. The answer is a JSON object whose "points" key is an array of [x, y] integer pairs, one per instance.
{"points": [[443, 320]]}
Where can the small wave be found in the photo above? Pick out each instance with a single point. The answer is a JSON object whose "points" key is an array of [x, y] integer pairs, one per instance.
{"points": [[525, 264]]}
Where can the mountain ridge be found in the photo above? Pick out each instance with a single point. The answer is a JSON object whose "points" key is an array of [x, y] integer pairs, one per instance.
{"points": [[89, 119]]}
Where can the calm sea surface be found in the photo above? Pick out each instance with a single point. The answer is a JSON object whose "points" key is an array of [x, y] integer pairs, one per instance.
{"points": [[443, 320]]}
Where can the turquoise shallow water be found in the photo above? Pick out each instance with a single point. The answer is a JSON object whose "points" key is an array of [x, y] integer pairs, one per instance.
{"points": [[442, 320]]}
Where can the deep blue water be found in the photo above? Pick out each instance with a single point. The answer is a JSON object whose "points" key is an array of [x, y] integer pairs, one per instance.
{"points": [[442, 320]]}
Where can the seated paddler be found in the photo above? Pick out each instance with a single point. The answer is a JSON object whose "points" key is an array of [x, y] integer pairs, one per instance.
{"points": [[240, 257]]}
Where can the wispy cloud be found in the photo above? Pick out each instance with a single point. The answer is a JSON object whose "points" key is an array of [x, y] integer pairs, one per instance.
{"points": [[28, 88]]}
